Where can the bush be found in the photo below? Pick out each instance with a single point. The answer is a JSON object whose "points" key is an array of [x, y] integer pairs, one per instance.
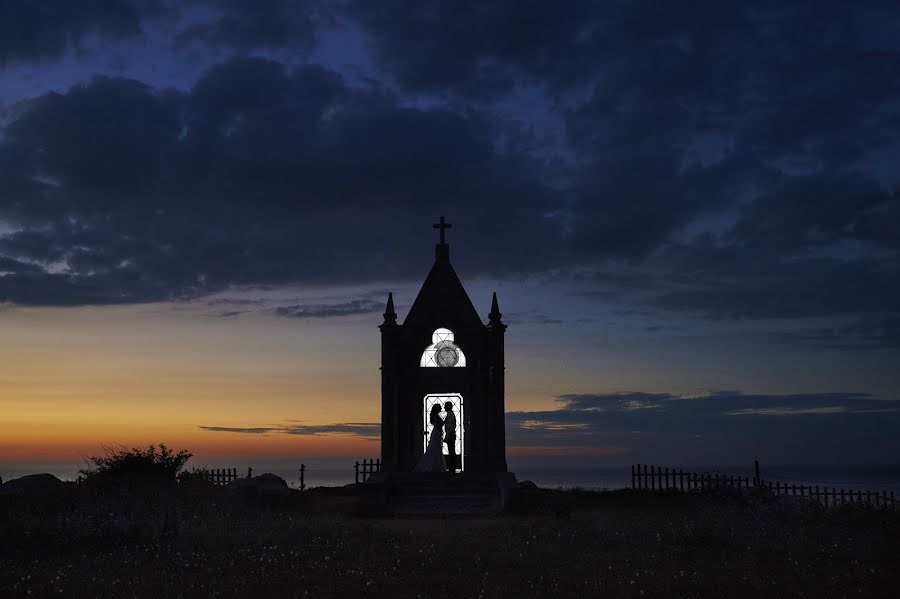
{"points": [[150, 463]]}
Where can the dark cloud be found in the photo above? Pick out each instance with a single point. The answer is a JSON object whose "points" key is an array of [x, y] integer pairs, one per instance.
{"points": [[813, 211], [258, 175], [475, 48], [743, 283], [359, 306], [814, 426], [871, 331], [44, 30], [245, 26], [232, 313], [365, 430], [232, 301], [9, 266], [231, 429], [717, 161]]}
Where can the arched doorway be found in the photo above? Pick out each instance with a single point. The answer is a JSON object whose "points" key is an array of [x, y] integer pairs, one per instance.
{"points": [[457, 401]]}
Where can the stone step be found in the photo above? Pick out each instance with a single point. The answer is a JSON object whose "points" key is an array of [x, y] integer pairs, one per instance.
{"points": [[444, 504], [420, 489]]}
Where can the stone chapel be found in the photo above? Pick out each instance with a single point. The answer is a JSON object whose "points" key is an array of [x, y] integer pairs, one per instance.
{"points": [[442, 351]]}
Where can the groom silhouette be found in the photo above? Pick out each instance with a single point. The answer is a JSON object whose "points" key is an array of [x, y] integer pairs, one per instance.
{"points": [[450, 436]]}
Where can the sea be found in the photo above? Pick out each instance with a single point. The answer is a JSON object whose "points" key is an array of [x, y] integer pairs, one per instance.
{"points": [[333, 472]]}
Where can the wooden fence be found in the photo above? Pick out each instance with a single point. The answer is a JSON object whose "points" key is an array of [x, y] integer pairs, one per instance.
{"points": [[220, 476], [830, 497], [674, 479], [367, 468], [223, 476]]}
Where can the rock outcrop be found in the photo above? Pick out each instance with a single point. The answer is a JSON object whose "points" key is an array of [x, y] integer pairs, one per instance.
{"points": [[32, 484]]}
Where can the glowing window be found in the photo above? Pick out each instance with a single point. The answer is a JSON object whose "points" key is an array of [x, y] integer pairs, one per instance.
{"points": [[443, 352]]}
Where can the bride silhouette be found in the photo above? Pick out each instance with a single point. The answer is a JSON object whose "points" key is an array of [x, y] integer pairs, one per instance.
{"points": [[433, 459]]}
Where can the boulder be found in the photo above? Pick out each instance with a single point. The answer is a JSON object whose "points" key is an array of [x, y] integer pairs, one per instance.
{"points": [[264, 484], [32, 484]]}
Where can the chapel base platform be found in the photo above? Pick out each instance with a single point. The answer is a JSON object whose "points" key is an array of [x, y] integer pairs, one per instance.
{"points": [[437, 493]]}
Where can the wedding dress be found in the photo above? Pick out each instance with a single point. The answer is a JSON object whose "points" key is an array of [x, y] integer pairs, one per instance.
{"points": [[433, 458]]}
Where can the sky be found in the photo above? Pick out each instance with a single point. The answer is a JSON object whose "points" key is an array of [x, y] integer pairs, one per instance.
{"points": [[689, 212]]}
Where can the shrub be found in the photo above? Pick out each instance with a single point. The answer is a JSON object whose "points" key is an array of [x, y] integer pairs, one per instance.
{"points": [[150, 463]]}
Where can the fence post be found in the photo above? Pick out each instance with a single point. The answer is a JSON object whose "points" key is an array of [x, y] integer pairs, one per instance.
{"points": [[756, 477], [302, 472]]}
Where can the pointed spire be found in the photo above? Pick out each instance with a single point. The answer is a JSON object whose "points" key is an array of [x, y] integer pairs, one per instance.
{"points": [[494, 316], [390, 316]]}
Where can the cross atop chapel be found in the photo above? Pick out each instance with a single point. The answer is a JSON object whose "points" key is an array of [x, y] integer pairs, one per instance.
{"points": [[442, 225]]}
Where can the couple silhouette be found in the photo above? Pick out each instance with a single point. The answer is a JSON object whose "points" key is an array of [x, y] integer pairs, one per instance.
{"points": [[443, 431]]}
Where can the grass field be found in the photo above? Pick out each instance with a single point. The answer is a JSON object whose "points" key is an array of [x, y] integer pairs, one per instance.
{"points": [[554, 543]]}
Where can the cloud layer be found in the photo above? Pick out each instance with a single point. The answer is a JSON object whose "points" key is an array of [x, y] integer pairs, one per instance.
{"points": [[723, 161], [365, 430], [811, 428]]}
